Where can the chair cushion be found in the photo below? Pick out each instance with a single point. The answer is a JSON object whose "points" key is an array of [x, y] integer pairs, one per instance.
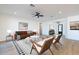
{"points": [[55, 38], [38, 48], [41, 43], [48, 38]]}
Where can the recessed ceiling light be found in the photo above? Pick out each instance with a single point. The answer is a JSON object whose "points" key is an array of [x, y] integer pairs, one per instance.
{"points": [[60, 12]]}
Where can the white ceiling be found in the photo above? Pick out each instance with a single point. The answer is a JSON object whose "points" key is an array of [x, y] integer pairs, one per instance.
{"points": [[48, 10]]}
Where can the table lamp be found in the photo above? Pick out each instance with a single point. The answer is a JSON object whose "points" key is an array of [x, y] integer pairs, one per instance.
{"points": [[9, 32]]}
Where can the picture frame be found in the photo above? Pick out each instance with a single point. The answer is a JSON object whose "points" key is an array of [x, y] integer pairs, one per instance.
{"points": [[23, 26], [74, 25]]}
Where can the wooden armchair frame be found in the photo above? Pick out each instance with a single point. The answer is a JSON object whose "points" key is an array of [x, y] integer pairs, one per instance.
{"points": [[44, 47], [57, 40]]}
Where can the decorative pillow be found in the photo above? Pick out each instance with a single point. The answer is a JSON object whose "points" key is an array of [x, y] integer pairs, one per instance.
{"points": [[18, 37], [29, 32]]}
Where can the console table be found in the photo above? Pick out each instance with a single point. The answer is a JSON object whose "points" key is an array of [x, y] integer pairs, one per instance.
{"points": [[9, 37]]}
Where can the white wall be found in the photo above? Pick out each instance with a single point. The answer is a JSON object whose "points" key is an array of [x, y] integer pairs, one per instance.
{"points": [[72, 34], [8, 22], [47, 25], [53, 25]]}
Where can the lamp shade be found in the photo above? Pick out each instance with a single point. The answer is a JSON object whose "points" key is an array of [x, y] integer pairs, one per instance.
{"points": [[9, 31], [35, 30]]}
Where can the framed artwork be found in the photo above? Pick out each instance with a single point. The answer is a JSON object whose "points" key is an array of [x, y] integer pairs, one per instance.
{"points": [[74, 25], [23, 26]]}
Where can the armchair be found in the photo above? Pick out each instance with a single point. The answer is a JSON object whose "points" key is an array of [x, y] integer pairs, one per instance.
{"points": [[57, 40], [43, 45]]}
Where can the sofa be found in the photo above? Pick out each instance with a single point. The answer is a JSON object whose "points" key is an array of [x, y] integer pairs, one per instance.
{"points": [[23, 34]]}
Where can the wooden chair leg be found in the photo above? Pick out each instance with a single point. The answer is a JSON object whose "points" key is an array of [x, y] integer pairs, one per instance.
{"points": [[39, 53], [50, 51], [60, 43], [55, 46], [31, 50]]}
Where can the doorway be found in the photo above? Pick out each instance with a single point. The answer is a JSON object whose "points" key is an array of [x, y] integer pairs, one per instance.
{"points": [[60, 29]]}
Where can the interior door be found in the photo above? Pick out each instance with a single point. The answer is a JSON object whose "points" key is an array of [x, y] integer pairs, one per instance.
{"points": [[60, 29]]}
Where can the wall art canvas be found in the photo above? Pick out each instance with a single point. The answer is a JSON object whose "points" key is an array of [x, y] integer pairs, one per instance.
{"points": [[74, 25], [23, 26]]}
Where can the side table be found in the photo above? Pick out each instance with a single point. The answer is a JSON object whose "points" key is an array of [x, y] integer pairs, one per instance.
{"points": [[9, 37]]}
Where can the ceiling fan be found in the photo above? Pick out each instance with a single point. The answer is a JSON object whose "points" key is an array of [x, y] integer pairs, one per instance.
{"points": [[37, 14], [32, 5]]}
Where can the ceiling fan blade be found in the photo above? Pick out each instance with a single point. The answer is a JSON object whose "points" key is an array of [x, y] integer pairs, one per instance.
{"points": [[41, 15], [32, 5], [38, 16]]}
